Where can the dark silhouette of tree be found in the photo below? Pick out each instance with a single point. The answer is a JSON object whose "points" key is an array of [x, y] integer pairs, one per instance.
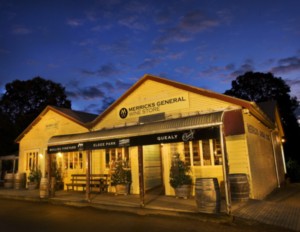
{"points": [[23, 101], [262, 87]]}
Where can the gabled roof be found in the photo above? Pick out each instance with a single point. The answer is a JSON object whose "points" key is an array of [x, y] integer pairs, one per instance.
{"points": [[251, 106], [78, 117]]}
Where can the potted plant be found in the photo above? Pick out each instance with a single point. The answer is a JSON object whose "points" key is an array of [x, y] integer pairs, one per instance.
{"points": [[34, 179], [121, 177], [56, 177], [180, 178]]}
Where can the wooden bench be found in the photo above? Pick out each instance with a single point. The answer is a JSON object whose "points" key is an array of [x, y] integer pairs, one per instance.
{"points": [[100, 181]]}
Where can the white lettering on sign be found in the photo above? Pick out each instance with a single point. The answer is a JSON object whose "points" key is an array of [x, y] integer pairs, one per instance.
{"points": [[167, 137]]}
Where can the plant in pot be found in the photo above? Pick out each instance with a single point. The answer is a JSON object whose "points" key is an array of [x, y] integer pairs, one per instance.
{"points": [[121, 177], [34, 179], [180, 178], [56, 177]]}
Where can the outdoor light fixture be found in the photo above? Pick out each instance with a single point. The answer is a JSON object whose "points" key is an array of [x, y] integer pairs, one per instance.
{"points": [[283, 140]]}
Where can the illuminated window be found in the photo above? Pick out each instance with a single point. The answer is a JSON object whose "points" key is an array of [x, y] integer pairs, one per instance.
{"points": [[114, 154], [73, 160], [32, 160], [205, 152]]}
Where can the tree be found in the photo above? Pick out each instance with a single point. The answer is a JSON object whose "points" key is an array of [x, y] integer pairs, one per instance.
{"points": [[23, 101], [261, 87]]}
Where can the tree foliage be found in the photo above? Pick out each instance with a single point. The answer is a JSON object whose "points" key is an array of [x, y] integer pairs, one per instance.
{"points": [[23, 101], [262, 87]]}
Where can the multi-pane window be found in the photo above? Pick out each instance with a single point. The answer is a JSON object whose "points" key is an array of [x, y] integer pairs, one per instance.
{"points": [[116, 154], [73, 160], [32, 160], [205, 152]]}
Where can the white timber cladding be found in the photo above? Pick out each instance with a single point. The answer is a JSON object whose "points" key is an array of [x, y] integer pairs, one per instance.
{"points": [[261, 157], [156, 94], [50, 124]]}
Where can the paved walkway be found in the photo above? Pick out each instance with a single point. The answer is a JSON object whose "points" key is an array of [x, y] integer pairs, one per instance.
{"points": [[281, 208]]}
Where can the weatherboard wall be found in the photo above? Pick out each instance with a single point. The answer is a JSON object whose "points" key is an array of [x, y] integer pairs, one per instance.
{"points": [[155, 97], [49, 124]]}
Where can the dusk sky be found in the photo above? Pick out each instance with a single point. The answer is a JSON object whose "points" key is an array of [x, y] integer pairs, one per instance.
{"points": [[98, 49]]}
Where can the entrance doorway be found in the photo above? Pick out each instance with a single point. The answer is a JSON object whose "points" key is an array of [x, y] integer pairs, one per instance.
{"points": [[152, 161]]}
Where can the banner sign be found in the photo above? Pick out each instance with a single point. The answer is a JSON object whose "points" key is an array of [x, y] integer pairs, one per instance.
{"points": [[169, 137]]}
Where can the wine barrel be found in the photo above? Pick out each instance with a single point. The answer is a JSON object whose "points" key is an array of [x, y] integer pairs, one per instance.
{"points": [[44, 188], [19, 180], [239, 187], [207, 194], [9, 180]]}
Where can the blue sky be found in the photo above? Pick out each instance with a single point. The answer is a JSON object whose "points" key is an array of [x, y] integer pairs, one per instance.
{"points": [[98, 49]]}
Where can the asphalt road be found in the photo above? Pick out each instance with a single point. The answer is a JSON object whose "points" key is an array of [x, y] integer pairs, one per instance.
{"points": [[18, 216]]}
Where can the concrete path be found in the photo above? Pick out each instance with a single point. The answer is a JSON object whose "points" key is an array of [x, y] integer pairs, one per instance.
{"points": [[281, 208]]}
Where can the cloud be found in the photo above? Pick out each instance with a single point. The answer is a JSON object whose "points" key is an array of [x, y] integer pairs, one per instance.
{"points": [[132, 22], [184, 70], [92, 92], [149, 63], [20, 30], [191, 23], [122, 85], [287, 65], [120, 47], [74, 22], [105, 70], [247, 66], [195, 21]]}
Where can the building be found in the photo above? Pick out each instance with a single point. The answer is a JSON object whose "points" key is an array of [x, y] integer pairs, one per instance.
{"points": [[217, 135]]}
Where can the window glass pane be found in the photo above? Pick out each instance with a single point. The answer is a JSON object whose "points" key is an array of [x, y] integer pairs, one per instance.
{"points": [[187, 155], [217, 151], [206, 152], [66, 160], [80, 161], [196, 153]]}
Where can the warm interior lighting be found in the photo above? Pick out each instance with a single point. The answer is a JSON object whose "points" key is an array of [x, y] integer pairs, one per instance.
{"points": [[59, 154], [283, 140], [41, 155]]}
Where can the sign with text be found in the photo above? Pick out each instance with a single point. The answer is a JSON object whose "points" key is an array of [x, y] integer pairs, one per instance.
{"points": [[179, 101], [169, 137]]}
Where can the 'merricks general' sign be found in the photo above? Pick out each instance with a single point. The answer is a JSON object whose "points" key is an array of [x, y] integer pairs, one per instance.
{"points": [[155, 106]]}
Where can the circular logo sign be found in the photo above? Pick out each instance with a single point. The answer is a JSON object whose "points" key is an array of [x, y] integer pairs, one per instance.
{"points": [[123, 113]]}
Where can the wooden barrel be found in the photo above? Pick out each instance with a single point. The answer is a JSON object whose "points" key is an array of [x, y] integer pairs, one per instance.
{"points": [[9, 180], [207, 194], [20, 181], [239, 187], [44, 188]]}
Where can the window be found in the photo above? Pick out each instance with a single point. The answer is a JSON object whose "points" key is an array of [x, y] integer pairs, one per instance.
{"points": [[205, 152], [73, 160], [187, 157], [196, 153], [114, 154], [32, 160]]}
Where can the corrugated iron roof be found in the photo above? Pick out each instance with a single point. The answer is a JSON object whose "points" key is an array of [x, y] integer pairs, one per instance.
{"points": [[185, 123]]}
